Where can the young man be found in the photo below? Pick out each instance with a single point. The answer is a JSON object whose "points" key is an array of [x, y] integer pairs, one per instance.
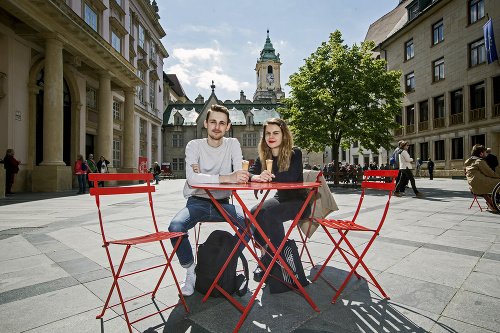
{"points": [[156, 173], [215, 159]]}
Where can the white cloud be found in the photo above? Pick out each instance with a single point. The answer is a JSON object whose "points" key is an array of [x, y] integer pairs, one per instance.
{"points": [[187, 56]]}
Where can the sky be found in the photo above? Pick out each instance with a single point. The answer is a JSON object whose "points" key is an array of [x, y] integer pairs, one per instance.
{"points": [[220, 40]]}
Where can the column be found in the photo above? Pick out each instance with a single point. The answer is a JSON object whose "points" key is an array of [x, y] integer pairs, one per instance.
{"points": [[129, 131], [53, 102], [104, 139]]}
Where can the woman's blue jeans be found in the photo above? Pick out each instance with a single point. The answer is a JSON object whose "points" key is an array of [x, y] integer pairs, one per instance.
{"points": [[197, 210], [81, 183]]}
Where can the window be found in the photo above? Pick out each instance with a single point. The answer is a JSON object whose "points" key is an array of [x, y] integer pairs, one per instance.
{"points": [[116, 110], [457, 149], [457, 102], [142, 129], [411, 150], [476, 10], [424, 111], [437, 32], [477, 53], [424, 151], [152, 50], [409, 49], [410, 115], [413, 11], [439, 150], [116, 154], [438, 70], [90, 17], [477, 96], [140, 89], [178, 164], [91, 98], [355, 144], [116, 42], [410, 82], [439, 112], [249, 139], [178, 140], [141, 36], [152, 89], [141, 151], [270, 69], [478, 140], [119, 2], [130, 24]]}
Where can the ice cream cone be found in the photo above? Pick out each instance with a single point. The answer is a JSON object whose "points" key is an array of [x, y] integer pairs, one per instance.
{"points": [[269, 165]]}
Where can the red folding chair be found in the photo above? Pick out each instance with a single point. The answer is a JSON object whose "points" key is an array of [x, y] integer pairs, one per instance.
{"points": [[157, 236], [476, 201], [343, 228]]}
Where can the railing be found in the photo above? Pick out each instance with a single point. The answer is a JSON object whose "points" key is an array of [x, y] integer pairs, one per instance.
{"points": [[410, 129], [477, 114], [496, 110], [398, 132], [439, 122], [457, 118], [423, 125]]}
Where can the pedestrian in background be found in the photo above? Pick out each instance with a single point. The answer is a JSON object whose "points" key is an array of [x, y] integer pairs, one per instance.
{"points": [[102, 167], [405, 168], [419, 166], [430, 167], [11, 166], [81, 172], [491, 159], [92, 168], [156, 172]]}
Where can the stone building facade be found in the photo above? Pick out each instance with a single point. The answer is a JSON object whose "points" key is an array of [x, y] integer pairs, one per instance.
{"points": [[452, 94], [79, 77]]}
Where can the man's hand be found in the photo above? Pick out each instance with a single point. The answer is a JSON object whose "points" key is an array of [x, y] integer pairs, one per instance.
{"points": [[196, 168], [239, 176]]}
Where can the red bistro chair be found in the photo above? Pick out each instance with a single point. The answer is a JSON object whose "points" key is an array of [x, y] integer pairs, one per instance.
{"points": [[344, 227], [157, 236], [475, 198]]}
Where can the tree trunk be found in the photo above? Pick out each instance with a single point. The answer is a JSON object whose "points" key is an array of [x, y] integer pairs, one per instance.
{"points": [[335, 156]]}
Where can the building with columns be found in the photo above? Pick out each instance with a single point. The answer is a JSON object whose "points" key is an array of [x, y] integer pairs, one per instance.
{"points": [[452, 94], [79, 77]]}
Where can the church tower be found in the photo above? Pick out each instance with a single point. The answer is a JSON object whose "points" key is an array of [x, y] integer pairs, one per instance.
{"points": [[268, 75]]}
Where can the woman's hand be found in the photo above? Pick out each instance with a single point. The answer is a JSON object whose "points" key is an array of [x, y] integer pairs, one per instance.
{"points": [[264, 177]]}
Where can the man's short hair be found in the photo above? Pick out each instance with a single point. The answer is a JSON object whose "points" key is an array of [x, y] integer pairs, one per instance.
{"points": [[488, 150], [218, 108], [477, 150]]}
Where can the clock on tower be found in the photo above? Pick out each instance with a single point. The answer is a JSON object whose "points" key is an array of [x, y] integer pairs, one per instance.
{"points": [[270, 78]]}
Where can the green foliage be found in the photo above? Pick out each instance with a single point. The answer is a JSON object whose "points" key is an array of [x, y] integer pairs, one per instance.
{"points": [[342, 95]]}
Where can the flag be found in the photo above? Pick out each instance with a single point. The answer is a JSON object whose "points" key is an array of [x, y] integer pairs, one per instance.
{"points": [[489, 42]]}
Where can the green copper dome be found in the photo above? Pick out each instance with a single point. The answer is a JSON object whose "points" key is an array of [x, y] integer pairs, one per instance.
{"points": [[268, 52]]}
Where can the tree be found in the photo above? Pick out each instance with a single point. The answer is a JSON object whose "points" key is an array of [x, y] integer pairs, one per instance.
{"points": [[342, 95]]}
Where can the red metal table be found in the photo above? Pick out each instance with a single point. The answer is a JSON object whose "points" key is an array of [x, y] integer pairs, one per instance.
{"points": [[234, 188]]}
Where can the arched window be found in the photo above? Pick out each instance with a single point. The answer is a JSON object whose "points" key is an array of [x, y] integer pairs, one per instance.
{"points": [[270, 69]]}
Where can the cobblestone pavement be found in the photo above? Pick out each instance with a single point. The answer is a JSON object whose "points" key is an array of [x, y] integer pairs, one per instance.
{"points": [[437, 260]]}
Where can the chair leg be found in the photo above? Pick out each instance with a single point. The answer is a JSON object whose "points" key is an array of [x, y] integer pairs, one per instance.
{"points": [[304, 246]]}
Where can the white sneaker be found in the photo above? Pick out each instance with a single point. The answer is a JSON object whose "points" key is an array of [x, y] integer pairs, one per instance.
{"points": [[187, 287]]}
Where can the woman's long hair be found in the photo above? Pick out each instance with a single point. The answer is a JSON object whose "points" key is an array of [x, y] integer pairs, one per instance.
{"points": [[285, 149]]}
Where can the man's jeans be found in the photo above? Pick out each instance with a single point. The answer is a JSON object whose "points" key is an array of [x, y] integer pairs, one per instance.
{"points": [[197, 210]]}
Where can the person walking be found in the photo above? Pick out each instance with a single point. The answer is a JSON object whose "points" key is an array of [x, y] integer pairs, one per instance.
{"points": [[81, 172], [156, 173], [419, 166], [11, 166], [405, 169], [430, 167]]}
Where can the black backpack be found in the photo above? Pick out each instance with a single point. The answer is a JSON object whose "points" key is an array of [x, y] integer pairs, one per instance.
{"points": [[211, 257], [278, 274]]}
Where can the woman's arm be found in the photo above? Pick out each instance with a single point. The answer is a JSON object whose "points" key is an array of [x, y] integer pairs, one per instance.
{"points": [[294, 172]]}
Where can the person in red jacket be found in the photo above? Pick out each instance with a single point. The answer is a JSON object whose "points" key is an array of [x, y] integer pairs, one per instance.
{"points": [[80, 172], [11, 166]]}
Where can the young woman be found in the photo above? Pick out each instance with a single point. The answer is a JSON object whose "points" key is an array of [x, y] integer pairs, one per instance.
{"points": [[277, 145], [405, 168]]}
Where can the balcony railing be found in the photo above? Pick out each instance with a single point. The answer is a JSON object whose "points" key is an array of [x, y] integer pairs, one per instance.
{"points": [[398, 132], [439, 122], [423, 125], [410, 129], [496, 110], [477, 114], [457, 118]]}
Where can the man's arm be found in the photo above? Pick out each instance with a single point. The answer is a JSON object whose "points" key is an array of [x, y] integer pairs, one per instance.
{"points": [[239, 175], [193, 157]]}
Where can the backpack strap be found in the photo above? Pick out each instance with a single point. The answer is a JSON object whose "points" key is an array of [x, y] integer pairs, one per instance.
{"points": [[241, 291]]}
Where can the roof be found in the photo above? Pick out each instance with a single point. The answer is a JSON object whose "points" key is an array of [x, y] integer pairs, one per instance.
{"points": [[387, 24], [189, 116], [261, 115], [175, 84], [268, 52]]}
